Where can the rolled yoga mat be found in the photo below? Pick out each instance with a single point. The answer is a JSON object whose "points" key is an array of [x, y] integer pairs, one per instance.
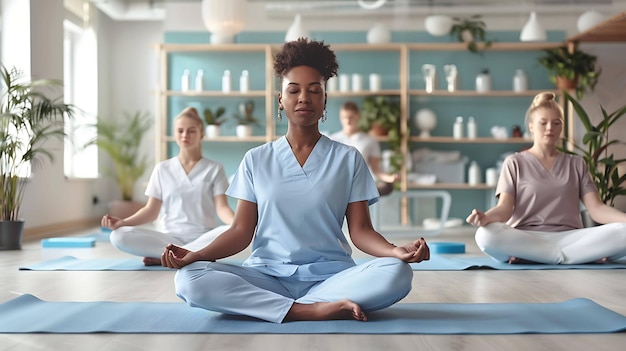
{"points": [[29, 314]]}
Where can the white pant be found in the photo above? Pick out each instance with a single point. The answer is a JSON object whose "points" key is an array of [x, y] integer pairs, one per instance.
{"points": [[145, 242], [577, 246], [240, 290]]}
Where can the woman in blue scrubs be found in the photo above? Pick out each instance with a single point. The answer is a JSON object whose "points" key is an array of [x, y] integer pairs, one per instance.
{"points": [[293, 195]]}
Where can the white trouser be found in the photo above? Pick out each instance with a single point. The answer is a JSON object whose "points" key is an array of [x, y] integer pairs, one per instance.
{"points": [[146, 242], [577, 246], [240, 290]]}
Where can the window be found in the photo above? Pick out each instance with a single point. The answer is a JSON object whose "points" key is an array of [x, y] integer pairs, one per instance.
{"points": [[80, 85]]}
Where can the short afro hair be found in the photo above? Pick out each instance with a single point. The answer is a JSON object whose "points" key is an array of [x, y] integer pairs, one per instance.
{"points": [[304, 52]]}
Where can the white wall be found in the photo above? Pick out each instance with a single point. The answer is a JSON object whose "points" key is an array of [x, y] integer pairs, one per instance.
{"points": [[49, 197]]}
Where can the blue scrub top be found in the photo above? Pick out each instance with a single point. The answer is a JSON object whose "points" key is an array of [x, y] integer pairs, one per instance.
{"points": [[301, 209]]}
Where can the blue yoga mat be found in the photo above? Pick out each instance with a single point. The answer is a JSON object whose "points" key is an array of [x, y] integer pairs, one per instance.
{"points": [[459, 263], [436, 263], [71, 263], [28, 314]]}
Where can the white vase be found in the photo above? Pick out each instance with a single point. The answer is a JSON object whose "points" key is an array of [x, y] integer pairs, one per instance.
{"points": [[378, 34], [483, 82], [425, 121], [212, 131], [244, 130], [296, 30], [520, 81]]}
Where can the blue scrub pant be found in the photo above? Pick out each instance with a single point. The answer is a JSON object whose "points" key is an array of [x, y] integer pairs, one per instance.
{"points": [[240, 290]]}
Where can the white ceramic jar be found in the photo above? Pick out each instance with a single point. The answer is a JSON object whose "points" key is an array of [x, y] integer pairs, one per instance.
{"points": [[520, 81], [483, 82]]}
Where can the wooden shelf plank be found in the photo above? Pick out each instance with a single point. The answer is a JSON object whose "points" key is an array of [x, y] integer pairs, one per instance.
{"points": [[386, 92], [611, 30], [436, 139], [473, 93], [215, 93], [213, 47], [453, 186]]}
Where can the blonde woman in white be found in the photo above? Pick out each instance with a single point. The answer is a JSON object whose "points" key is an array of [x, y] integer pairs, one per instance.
{"points": [[537, 217], [187, 190]]}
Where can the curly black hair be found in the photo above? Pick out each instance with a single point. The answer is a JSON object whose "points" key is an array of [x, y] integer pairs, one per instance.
{"points": [[305, 52]]}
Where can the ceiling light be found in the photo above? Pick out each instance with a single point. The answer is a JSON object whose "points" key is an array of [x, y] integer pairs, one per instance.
{"points": [[533, 31], [438, 25], [373, 5], [588, 20], [224, 19]]}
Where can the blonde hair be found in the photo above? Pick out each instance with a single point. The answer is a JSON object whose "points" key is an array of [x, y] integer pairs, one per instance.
{"points": [[192, 113], [543, 100]]}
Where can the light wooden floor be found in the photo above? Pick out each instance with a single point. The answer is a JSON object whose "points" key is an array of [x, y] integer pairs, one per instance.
{"points": [[606, 287]]}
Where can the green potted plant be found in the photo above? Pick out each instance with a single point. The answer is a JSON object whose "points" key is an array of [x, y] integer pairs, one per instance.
{"points": [[245, 119], [380, 116], [213, 121], [571, 70], [29, 118], [121, 141], [603, 166], [470, 30]]}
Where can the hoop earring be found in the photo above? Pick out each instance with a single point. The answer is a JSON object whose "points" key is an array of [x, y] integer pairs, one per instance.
{"points": [[280, 115], [324, 116]]}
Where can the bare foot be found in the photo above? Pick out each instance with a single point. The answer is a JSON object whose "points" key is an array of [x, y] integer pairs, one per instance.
{"points": [[515, 260], [602, 260], [151, 261], [319, 311]]}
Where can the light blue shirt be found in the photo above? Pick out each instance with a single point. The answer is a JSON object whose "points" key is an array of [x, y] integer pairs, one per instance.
{"points": [[301, 209]]}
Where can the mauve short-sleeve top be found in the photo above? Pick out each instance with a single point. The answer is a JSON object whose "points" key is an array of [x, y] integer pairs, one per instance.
{"points": [[545, 200]]}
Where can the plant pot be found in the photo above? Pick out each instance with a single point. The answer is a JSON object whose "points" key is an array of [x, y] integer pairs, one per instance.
{"points": [[11, 235], [123, 209], [564, 83], [212, 131], [244, 130], [467, 36], [378, 130]]}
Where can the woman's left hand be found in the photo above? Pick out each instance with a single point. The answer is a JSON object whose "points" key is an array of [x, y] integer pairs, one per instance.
{"points": [[416, 251]]}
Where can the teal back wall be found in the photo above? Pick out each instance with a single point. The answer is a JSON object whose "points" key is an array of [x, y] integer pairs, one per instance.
{"points": [[503, 111]]}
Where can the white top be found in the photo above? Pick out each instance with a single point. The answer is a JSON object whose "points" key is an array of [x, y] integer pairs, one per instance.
{"points": [[188, 208], [301, 209], [545, 200], [367, 145]]}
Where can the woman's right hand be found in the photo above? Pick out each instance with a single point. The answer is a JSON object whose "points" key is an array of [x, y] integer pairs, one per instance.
{"points": [[175, 257], [111, 222], [477, 218]]}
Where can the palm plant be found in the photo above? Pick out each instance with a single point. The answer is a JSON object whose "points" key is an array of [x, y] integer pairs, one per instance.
{"points": [[28, 119], [603, 166], [121, 140]]}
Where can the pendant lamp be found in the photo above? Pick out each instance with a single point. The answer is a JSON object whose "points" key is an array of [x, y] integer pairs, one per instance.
{"points": [[296, 30], [224, 19], [438, 25], [533, 31]]}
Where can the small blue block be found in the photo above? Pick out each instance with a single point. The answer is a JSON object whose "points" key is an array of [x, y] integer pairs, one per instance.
{"points": [[446, 247], [69, 242]]}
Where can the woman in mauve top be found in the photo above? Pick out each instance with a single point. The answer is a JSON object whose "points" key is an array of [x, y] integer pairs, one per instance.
{"points": [[537, 217]]}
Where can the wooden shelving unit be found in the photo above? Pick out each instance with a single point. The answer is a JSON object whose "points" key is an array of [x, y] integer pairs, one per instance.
{"points": [[400, 50]]}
